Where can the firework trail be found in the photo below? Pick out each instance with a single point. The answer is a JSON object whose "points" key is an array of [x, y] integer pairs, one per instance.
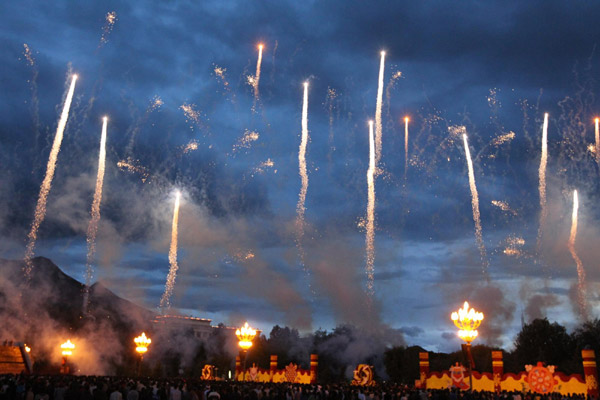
{"points": [[378, 124], [34, 96], [255, 80], [542, 182], [370, 233], [406, 119], [332, 94], [475, 206], [40, 209], [165, 300], [581, 295], [597, 134], [300, 209], [109, 24], [92, 229], [504, 138], [264, 166]]}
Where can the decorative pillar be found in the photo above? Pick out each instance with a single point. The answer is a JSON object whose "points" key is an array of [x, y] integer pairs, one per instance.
{"points": [[273, 366], [423, 369], [497, 370], [238, 368], [591, 372], [314, 363]]}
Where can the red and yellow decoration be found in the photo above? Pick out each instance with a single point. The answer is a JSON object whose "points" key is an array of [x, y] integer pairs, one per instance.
{"points": [[541, 379], [290, 374], [363, 375], [208, 372]]}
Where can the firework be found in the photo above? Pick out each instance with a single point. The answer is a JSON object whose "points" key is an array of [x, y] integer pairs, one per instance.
{"points": [[246, 140], [165, 300], [300, 209], [597, 137], [542, 182], [192, 116], [581, 292], [263, 166], [503, 205], [475, 206], [256, 79], [504, 138], [109, 24], [370, 223], [378, 124], [406, 119], [130, 166], [92, 229], [191, 146], [40, 209]]}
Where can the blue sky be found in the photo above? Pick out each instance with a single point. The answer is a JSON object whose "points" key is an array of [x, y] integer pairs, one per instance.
{"points": [[493, 67]]}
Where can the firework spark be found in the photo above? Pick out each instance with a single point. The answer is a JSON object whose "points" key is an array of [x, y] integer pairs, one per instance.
{"points": [[165, 300], [192, 116], [109, 24], [378, 124], [263, 166], [370, 223], [246, 140], [504, 138], [191, 146], [542, 182], [130, 166], [581, 292], [513, 246], [300, 208], [503, 205], [40, 209], [28, 55], [475, 206], [34, 90], [92, 229]]}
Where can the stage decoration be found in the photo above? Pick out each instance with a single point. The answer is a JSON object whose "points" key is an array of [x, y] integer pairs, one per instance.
{"points": [[363, 375], [457, 373], [291, 373], [540, 378], [208, 372]]}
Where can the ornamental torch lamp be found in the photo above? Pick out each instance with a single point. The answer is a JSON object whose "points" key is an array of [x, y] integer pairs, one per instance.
{"points": [[245, 336], [467, 320], [67, 351], [141, 342]]}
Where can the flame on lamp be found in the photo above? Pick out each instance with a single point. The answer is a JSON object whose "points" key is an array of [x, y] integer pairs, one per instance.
{"points": [[467, 320], [142, 342], [67, 348], [245, 336]]}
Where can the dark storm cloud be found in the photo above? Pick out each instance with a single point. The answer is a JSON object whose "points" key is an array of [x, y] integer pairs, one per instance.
{"points": [[469, 63]]}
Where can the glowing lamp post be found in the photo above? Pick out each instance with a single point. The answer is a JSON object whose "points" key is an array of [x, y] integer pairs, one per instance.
{"points": [[67, 351], [245, 337], [467, 320], [141, 342]]}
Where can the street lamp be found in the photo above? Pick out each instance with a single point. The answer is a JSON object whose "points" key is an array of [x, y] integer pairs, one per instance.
{"points": [[245, 336], [67, 351], [467, 320], [141, 342]]}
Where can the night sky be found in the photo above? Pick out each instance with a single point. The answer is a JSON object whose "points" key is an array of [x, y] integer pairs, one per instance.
{"points": [[490, 67]]}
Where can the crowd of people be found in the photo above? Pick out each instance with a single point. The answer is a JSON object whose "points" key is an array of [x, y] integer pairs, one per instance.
{"points": [[32, 387]]}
